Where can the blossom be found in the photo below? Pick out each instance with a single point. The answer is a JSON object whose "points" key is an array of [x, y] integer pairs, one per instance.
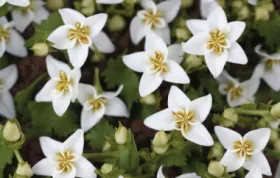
{"points": [[254, 173], [8, 77], [158, 62], [79, 33], [10, 40], [154, 18], [187, 175], [62, 87], [207, 6], [96, 105], [215, 38], [109, 1], [22, 3], [269, 68], [64, 159], [244, 151], [237, 93], [34, 12], [185, 116]]}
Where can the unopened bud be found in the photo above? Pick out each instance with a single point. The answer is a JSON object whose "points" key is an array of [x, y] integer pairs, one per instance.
{"points": [[40, 49], [215, 168], [230, 114], [116, 23], [186, 3], [12, 131], [216, 151], [106, 146], [273, 135], [237, 4], [261, 14], [244, 13], [276, 145], [269, 7], [262, 123], [121, 134], [106, 168], [182, 34], [54, 4], [160, 142], [193, 62], [275, 110], [149, 99], [160, 150], [24, 170], [88, 11]]}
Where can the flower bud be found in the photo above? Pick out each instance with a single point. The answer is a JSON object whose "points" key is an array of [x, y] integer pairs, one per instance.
{"points": [[273, 135], [262, 123], [24, 170], [244, 13], [230, 114], [182, 34], [216, 151], [106, 168], [11, 131], [160, 142], [116, 23], [276, 145], [149, 99], [269, 7], [106, 146], [160, 150], [186, 3], [193, 62], [121, 134], [88, 11], [54, 4], [216, 169], [237, 4], [40, 49], [275, 110], [261, 14]]}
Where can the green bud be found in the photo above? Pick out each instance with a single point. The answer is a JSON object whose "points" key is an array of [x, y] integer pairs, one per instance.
{"points": [[276, 145], [12, 131], [275, 110], [261, 14], [160, 150], [106, 146], [230, 114], [106, 168], [273, 135], [24, 170], [121, 134], [216, 169], [237, 4], [182, 34], [216, 151], [54, 4], [88, 11], [193, 62], [262, 123], [244, 13], [160, 139], [269, 7], [149, 99], [116, 23], [186, 3], [40, 49]]}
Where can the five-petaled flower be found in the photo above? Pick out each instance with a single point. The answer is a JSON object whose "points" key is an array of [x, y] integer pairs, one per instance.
{"points": [[34, 12], [154, 18], [244, 151], [185, 116], [215, 38], [237, 93], [79, 33], [64, 159], [158, 62], [62, 88], [96, 105], [187, 175], [22, 3]]}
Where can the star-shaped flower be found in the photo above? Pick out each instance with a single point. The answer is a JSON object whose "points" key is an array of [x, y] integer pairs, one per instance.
{"points": [[64, 159], [34, 12], [215, 38], [22, 3], [187, 175], [185, 116], [109, 1], [95, 105], [10, 40], [244, 151], [78, 34], [158, 63], [154, 18], [62, 88], [237, 93], [8, 77]]}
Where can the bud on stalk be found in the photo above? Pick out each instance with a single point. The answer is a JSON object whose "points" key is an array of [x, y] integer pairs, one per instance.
{"points": [[121, 134], [24, 170], [12, 131], [216, 169]]}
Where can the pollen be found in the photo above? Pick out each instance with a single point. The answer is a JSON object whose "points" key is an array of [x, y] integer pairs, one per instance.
{"points": [[236, 93], [152, 19], [217, 41], [183, 119], [81, 33], [4, 34], [244, 149], [63, 82], [158, 62], [270, 63], [65, 161], [97, 103]]}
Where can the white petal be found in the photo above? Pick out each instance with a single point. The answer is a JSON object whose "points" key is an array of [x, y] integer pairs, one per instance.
{"points": [[160, 121], [160, 172], [155, 43], [78, 55], [260, 161], [188, 175], [7, 106], [70, 16], [22, 3], [259, 71], [2, 47], [216, 19], [103, 43], [50, 147], [109, 1], [75, 76], [232, 161], [175, 73], [197, 26], [96, 23], [169, 9], [59, 174], [136, 61], [2, 2], [207, 7], [15, 45], [201, 107], [61, 104], [3, 19], [44, 94], [237, 101], [175, 53], [44, 167], [254, 173], [85, 92], [177, 98], [199, 135], [60, 38], [253, 2], [236, 30], [259, 138], [90, 118], [216, 63], [149, 82], [196, 45], [225, 78], [270, 77], [22, 20], [75, 142], [137, 30], [54, 66], [116, 107], [8, 77], [261, 53], [84, 168], [148, 4], [40, 14], [250, 87], [227, 137], [164, 33], [111, 95], [236, 54]]}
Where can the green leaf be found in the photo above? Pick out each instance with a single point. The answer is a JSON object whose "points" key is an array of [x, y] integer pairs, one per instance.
{"points": [[4, 10], [173, 158], [6, 154]]}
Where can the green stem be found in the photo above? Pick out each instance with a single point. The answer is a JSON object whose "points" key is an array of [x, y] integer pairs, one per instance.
{"points": [[103, 155], [97, 84], [18, 156], [251, 112]]}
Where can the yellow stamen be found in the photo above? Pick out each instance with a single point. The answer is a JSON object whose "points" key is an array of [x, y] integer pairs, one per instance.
{"points": [[244, 149], [97, 103], [65, 161], [81, 33], [183, 119], [63, 82], [4, 33], [158, 62], [270, 63], [235, 93], [217, 41], [152, 19]]}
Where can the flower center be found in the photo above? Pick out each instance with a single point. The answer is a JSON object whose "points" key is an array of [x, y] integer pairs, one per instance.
{"points": [[63, 82], [157, 61], [270, 63], [152, 19], [244, 149], [217, 41], [4, 34], [80, 33], [183, 119], [97, 103], [65, 161], [235, 93]]}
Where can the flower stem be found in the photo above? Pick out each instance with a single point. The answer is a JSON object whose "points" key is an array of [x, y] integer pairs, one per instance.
{"points": [[103, 155], [97, 84], [251, 112], [18, 156]]}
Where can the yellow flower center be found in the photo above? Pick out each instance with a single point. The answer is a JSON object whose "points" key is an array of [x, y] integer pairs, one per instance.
{"points": [[244, 149], [270, 63], [63, 82], [183, 119], [65, 161], [81, 33], [158, 62], [4, 34], [97, 103], [235, 93], [152, 19], [217, 41]]}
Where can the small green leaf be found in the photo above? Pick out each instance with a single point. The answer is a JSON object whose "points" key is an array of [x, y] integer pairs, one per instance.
{"points": [[4, 10], [6, 154]]}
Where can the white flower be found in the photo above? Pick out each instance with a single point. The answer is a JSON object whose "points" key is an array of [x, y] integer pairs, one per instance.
{"points": [[62, 87], [64, 160], [8, 77], [269, 68], [78, 34], [237, 93], [207, 6], [109, 1], [187, 175], [95, 105], [185, 116], [34, 12], [22, 3], [254, 173], [215, 38], [244, 151], [154, 18], [10, 40], [158, 63]]}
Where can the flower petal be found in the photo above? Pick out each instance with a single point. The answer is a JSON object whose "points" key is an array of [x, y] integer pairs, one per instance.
{"points": [[85, 92], [155, 43], [59, 174], [201, 107], [177, 98], [96, 23], [254, 173], [169, 9], [149, 82], [75, 142], [236, 101], [137, 61], [164, 34], [90, 118], [232, 161], [60, 38], [8, 77], [197, 26], [199, 135], [7, 106], [261, 53], [216, 63], [137, 30], [50, 147], [175, 53], [111, 95], [270, 77], [84, 168], [149, 4], [70, 16], [54, 66], [109, 1], [75, 76], [236, 54], [22, 3], [227, 137], [3, 19], [78, 55], [160, 172], [225, 78], [188, 175], [2, 2], [22, 20], [175, 73], [2, 47], [259, 138], [250, 87], [103, 43], [44, 94], [44, 167], [15, 45], [260, 161], [160, 121], [40, 14], [207, 7], [216, 19], [253, 2], [196, 45], [116, 107], [61, 104], [236, 30]]}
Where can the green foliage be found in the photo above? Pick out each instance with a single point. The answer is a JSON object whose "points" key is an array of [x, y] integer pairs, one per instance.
{"points": [[6, 154], [173, 158], [4, 10]]}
